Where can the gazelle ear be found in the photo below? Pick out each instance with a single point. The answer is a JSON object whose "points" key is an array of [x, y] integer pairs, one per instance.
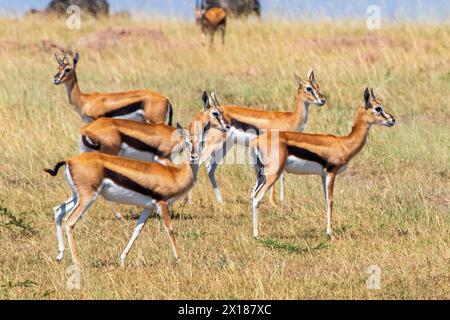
{"points": [[205, 99], [298, 79], [372, 94], [367, 98], [76, 58], [311, 76]]}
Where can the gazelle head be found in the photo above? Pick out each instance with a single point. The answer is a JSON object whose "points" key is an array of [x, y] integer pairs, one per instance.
{"points": [[199, 11], [212, 107], [309, 90], [66, 70], [194, 142], [374, 110]]}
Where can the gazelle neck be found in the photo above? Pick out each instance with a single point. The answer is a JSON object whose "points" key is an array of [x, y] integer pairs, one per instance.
{"points": [[74, 93], [357, 138], [301, 112]]}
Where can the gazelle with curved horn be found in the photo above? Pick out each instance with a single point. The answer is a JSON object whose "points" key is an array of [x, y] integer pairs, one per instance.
{"points": [[145, 141], [146, 184], [210, 20], [140, 105], [313, 154], [248, 123]]}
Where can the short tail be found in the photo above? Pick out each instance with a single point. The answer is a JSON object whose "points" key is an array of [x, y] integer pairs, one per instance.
{"points": [[54, 172], [89, 143], [169, 105]]}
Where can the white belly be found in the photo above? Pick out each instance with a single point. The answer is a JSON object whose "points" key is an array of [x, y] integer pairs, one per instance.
{"points": [[137, 116], [115, 193], [132, 153], [241, 137], [303, 167]]}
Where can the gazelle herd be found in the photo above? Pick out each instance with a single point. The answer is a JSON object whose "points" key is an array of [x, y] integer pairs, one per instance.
{"points": [[130, 156]]}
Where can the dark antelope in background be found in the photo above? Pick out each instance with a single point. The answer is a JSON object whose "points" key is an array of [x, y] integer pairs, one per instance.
{"points": [[210, 20]]}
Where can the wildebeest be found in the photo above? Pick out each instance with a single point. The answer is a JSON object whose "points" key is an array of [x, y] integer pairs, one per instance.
{"points": [[236, 7], [92, 7]]}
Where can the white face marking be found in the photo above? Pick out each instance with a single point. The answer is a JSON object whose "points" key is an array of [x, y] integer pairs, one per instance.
{"points": [[303, 167], [115, 193]]}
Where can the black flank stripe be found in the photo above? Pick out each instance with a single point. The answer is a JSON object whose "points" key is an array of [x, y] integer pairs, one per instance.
{"points": [[244, 126], [129, 184], [139, 145], [125, 110], [308, 155]]}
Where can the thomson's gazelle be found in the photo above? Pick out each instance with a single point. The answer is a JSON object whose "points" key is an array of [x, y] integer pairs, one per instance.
{"points": [[144, 184], [144, 141], [313, 154], [248, 123], [140, 105]]}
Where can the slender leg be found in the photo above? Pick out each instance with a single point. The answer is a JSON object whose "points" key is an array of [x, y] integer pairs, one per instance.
{"points": [[59, 213], [203, 38], [273, 190], [116, 213], [211, 167], [137, 231], [328, 186], [71, 220], [223, 34], [282, 189], [212, 164], [211, 44], [262, 185], [163, 210]]}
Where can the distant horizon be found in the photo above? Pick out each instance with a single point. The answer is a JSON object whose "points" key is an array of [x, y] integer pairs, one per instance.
{"points": [[392, 10]]}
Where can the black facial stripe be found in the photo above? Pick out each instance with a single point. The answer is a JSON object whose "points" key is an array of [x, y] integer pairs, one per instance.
{"points": [[244, 126], [313, 92], [310, 156], [139, 145], [129, 184], [125, 110]]}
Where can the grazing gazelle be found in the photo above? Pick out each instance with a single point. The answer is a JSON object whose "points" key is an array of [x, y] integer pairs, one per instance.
{"points": [[313, 154], [140, 105], [144, 184], [211, 20], [247, 123]]}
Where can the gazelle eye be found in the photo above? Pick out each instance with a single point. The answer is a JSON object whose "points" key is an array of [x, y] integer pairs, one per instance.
{"points": [[378, 109], [309, 89]]}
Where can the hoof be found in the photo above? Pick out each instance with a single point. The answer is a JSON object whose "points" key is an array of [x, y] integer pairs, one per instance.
{"points": [[60, 256], [122, 261], [330, 237]]}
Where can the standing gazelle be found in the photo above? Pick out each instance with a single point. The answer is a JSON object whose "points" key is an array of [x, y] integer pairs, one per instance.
{"points": [[144, 184], [145, 141], [313, 154], [247, 123], [141, 105], [210, 20]]}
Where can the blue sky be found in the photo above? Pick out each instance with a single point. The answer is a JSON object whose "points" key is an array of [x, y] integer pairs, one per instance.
{"points": [[414, 9]]}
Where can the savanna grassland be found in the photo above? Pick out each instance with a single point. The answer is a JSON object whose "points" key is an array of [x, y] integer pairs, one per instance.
{"points": [[392, 206]]}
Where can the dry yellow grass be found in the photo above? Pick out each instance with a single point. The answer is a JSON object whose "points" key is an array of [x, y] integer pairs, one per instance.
{"points": [[391, 207]]}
